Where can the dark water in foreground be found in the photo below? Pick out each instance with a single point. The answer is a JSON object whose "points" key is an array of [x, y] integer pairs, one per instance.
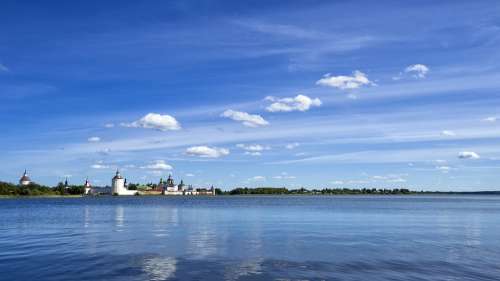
{"points": [[251, 238]]}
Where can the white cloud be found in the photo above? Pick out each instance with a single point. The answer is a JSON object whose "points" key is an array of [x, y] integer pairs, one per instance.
{"points": [[249, 120], [342, 82], [155, 121], [298, 103], [94, 139], [189, 175], [292, 145], [417, 70], [337, 182], [443, 169], [158, 165], [284, 176], [358, 181], [390, 178], [256, 153], [253, 147], [257, 178], [490, 119], [207, 152], [99, 166], [448, 133], [109, 125], [468, 155]]}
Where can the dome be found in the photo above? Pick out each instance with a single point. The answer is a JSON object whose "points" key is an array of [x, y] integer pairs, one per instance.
{"points": [[25, 177], [117, 176]]}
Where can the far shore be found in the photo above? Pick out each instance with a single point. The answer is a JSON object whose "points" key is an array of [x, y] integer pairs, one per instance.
{"points": [[437, 193]]}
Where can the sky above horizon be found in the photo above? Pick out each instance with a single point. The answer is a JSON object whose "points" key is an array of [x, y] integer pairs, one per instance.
{"points": [[351, 94]]}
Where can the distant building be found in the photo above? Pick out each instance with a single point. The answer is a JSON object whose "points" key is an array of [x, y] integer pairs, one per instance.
{"points": [[170, 188], [87, 188], [25, 180], [118, 186]]}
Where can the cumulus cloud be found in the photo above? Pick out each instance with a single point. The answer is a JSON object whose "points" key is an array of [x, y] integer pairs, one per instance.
{"points": [[249, 120], [448, 133], [417, 70], [490, 119], [189, 175], [158, 165], [357, 80], [94, 139], [155, 121], [468, 155], [292, 145], [207, 152], [337, 182], [109, 125], [298, 103]]}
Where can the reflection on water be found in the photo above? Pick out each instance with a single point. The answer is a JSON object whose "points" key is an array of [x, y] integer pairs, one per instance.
{"points": [[251, 238], [159, 268], [119, 217], [244, 268]]}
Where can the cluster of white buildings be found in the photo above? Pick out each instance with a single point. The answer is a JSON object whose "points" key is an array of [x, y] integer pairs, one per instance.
{"points": [[168, 187], [119, 187]]}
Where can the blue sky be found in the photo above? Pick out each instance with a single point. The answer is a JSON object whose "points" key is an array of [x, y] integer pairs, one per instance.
{"points": [[267, 93]]}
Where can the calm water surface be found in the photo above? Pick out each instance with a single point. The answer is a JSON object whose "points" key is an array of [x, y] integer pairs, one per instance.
{"points": [[251, 238]]}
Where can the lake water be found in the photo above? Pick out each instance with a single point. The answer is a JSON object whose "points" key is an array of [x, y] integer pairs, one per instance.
{"points": [[251, 238]]}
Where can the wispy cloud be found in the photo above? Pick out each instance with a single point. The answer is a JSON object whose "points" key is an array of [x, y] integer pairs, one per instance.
{"points": [[207, 152], [94, 139], [249, 120]]}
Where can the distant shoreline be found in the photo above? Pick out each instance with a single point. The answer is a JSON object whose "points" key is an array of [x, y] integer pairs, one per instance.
{"points": [[492, 193]]}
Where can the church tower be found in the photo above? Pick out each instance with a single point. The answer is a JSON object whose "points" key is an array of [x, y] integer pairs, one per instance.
{"points": [[25, 180]]}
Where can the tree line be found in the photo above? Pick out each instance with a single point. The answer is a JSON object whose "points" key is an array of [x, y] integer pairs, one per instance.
{"points": [[324, 191], [33, 189]]}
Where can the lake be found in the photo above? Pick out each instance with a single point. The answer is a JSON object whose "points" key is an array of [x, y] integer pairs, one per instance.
{"points": [[251, 238]]}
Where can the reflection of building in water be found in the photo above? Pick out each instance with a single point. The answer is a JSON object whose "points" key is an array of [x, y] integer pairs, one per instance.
{"points": [[119, 217], [25, 180], [118, 186]]}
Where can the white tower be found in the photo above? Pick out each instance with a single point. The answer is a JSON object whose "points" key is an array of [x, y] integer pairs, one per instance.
{"points": [[118, 186], [87, 187]]}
